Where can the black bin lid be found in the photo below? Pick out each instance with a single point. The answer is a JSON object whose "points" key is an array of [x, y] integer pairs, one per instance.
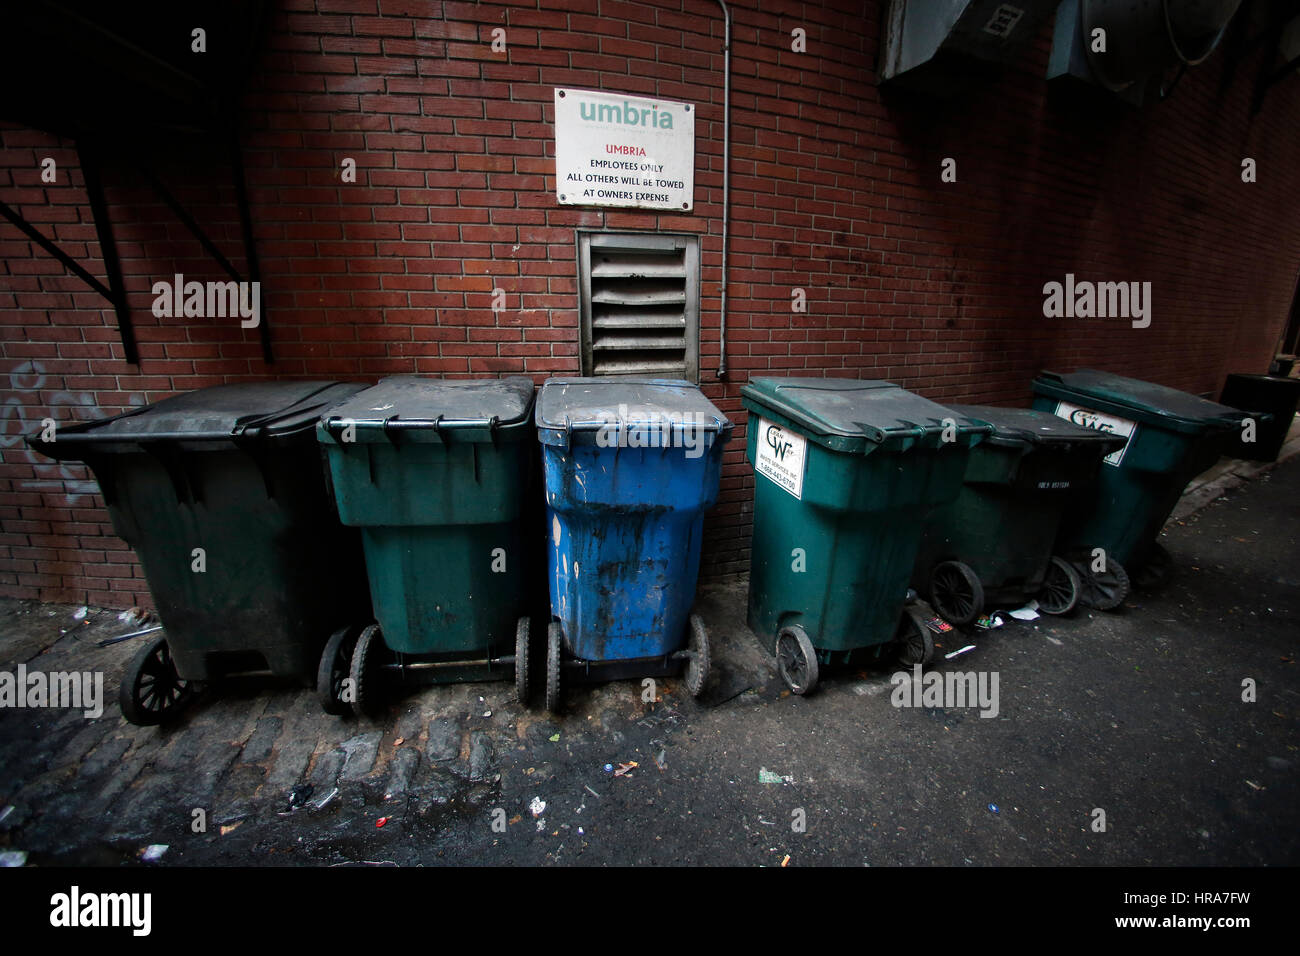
{"points": [[1028, 426], [218, 413], [413, 405]]}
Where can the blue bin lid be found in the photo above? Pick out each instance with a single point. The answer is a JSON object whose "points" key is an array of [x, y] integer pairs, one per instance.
{"points": [[850, 414], [220, 413], [566, 406], [428, 409], [1133, 398], [1028, 426]]}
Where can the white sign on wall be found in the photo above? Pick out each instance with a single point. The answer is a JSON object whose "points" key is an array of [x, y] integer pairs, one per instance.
{"points": [[780, 456], [616, 150], [1110, 424]]}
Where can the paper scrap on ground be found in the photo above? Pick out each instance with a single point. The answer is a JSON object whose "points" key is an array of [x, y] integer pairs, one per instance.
{"points": [[1027, 613], [959, 652]]}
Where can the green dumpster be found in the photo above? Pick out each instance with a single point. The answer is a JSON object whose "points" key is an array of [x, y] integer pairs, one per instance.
{"points": [[993, 545], [440, 476], [845, 472], [1170, 438], [221, 493]]}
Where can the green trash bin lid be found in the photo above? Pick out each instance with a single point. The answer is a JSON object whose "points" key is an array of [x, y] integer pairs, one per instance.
{"points": [[431, 409], [1028, 426], [218, 414], [570, 409], [1145, 402], [850, 414]]}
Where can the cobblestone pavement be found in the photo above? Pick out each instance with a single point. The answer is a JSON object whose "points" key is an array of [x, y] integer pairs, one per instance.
{"points": [[1138, 713]]}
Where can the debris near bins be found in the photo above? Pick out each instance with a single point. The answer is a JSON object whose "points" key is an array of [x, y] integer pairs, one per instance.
{"points": [[768, 776], [786, 861], [80, 613], [959, 652], [986, 622], [324, 801], [537, 807], [379, 824], [938, 625], [625, 769], [108, 642], [661, 760], [554, 738], [10, 859], [154, 852], [228, 827], [135, 616], [299, 795], [1027, 613]]}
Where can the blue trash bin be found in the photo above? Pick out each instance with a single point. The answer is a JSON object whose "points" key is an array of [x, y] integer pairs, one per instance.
{"points": [[631, 465]]}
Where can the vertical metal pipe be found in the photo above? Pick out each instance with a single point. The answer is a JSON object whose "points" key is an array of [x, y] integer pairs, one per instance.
{"points": [[726, 186]]}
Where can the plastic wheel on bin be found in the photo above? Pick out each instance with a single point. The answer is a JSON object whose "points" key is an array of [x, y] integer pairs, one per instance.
{"points": [[1061, 588], [152, 692], [521, 660], [697, 668], [554, 640], [796, 660], [365, 671], [1102, 590], [915, 643], [956, 592], [335, 666]]}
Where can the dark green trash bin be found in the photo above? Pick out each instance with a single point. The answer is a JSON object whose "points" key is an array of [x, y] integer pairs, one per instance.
{"points": [[222, 495], [1277, 396], [441, 478], [993, 546], [1171, 437], [845, 473]]}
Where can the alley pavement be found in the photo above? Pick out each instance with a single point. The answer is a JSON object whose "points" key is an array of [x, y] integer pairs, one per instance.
{"points": [[1172, 723]]}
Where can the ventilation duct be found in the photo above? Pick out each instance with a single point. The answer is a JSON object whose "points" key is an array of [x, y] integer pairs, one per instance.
{"points": [[937, 44]]}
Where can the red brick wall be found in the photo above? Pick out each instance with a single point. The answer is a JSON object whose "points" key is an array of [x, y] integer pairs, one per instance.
{"points": [[835, 189]]}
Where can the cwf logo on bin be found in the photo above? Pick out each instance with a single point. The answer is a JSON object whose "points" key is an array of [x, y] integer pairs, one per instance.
{"points": [[1111, 425], [780, 456]]}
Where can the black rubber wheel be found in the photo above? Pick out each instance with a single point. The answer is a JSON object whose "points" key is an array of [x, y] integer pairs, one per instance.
{"points": [[554, 642], [366, 697], [915, 642], [1061, 588], [796, 660], [697, 668], [1105, 590], [152, 693], [521, 660], [956, 593], [335, 666]]}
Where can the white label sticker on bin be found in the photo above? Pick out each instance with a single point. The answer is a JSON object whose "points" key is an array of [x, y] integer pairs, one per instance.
{"points": [[780, 456], [1102, 423]]}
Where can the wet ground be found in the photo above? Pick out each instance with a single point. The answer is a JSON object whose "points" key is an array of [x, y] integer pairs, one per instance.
{"points": [[1138, 714]]}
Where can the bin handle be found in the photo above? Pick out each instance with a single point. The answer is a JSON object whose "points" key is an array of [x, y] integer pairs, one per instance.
{"points": [[249, 423]]}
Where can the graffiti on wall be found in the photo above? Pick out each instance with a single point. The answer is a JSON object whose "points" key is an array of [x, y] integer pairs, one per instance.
{"points": [[23, 412]]}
